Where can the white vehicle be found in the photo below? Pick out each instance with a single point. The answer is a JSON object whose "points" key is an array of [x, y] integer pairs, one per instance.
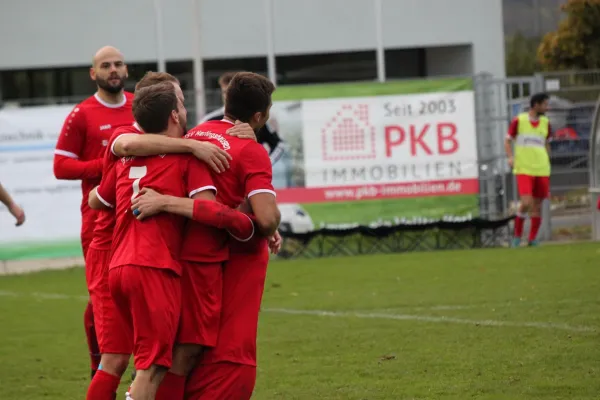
{"points": [[295, 219]]}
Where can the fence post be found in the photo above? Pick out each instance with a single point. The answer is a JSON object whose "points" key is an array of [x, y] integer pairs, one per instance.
{"points": [[594, 173]]}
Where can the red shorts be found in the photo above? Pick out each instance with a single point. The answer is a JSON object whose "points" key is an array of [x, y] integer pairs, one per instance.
{"points": [[222, 381], [202, 292], [536, 186], [243, 285], [149, 300], [113, 337]]}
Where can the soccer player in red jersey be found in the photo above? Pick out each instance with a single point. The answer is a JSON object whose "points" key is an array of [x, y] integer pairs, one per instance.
{"points": [[147, 257], [249, 177], [81, 146], [115, 343], [228, 371]]}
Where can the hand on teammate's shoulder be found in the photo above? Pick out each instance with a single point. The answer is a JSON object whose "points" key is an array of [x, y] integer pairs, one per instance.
{"points": [[242, 130]]}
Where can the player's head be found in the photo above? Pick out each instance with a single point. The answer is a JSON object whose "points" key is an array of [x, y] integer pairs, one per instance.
{"points": [[153, 78], [224, 82], [156, 109], [539, 103], [109, 70], [249, 99]]}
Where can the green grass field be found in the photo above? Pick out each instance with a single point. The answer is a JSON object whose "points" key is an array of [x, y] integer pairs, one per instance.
{"points": [[366, 211], [482, 324]]}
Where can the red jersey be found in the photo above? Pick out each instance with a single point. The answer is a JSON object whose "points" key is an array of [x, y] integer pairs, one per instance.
{"points": [[513, 129], [156, 241], [250, 173], [81, 146], [105, 222]]}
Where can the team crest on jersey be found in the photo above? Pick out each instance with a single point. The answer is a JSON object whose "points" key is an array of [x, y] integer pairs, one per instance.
{"points": [[210, 135]]}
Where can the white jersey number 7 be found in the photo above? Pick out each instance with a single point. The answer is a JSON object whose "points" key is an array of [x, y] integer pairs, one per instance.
{"points": [[137, 173]]}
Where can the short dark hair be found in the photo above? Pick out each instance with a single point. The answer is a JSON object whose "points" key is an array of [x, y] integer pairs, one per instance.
{"points": [[152, 106], [152, 78], [538, 98], [226, 78], [247, 94]]}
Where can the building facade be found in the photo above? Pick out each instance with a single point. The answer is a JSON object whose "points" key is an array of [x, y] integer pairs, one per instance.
{"points": [[47, 46]]}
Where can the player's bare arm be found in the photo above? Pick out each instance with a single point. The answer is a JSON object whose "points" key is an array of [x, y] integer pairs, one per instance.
{"points": [[508, 150], [151, 145], [275, 241], [265, 210], [202, 208], [95, 202], [13, 208]]}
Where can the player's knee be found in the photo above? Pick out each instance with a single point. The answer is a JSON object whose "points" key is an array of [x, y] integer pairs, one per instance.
{"points": [[115, 364], [526, 203]]}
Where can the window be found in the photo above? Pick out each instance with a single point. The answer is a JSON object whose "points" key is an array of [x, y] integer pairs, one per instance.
{"points": [[213, 69], [324, 68], [405, 63]]}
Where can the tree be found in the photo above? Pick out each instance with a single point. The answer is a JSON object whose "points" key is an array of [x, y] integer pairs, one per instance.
{"points": [[576, 43], [520, 55]]}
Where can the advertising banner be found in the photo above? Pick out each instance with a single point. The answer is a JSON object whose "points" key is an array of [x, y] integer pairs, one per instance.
{"points": [[355, 153], [376, 156], [27, 140]]}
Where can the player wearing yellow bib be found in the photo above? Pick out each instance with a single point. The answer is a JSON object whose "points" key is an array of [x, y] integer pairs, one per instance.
{"points": [[531, 133]]}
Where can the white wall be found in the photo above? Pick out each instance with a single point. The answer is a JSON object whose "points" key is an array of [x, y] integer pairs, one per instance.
{"points": [[36, 33]]}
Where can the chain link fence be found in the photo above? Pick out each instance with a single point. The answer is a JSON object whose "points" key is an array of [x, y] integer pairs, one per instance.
{"points": [[572, 106]]}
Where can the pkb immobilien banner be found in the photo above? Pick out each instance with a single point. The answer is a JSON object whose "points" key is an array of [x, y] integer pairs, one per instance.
{"points": [[368, 158]]}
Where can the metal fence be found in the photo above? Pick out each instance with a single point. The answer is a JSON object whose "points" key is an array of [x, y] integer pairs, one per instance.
{"points": [[497, 101]]}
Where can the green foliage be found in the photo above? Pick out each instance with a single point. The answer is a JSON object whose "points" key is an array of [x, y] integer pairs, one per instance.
{"points": [[576, 43], [521, 55]]}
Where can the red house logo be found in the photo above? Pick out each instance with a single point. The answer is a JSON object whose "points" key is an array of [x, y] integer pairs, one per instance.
{"points": [[349, 135]]}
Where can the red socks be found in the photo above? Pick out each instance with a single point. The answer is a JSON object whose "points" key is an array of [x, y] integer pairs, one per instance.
{"points": [[220, 216], [90, 333], [535, 227], [519, 222], [103, 387], [172, 387], [536, 222]]}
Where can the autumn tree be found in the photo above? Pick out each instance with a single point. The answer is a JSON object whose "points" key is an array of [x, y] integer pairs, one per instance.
{"points": [[576, 43]]}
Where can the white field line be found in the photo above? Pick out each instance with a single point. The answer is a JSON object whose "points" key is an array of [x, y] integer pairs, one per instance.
{"points": [[426, 318], [43, 296], [362, 315]]}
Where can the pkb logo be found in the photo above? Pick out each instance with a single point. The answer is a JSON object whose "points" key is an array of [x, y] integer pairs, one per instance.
{"points": [[349, 135]]}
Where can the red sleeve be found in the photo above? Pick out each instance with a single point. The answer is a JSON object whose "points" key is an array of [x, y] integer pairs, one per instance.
{"points": [[197, 177], [67, 163], [257, 170], [513, 129], [213, 213], [107, 191]]}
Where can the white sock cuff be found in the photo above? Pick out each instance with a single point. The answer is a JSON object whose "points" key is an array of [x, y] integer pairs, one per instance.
{"points": [[522, 215], [128, 396]]}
